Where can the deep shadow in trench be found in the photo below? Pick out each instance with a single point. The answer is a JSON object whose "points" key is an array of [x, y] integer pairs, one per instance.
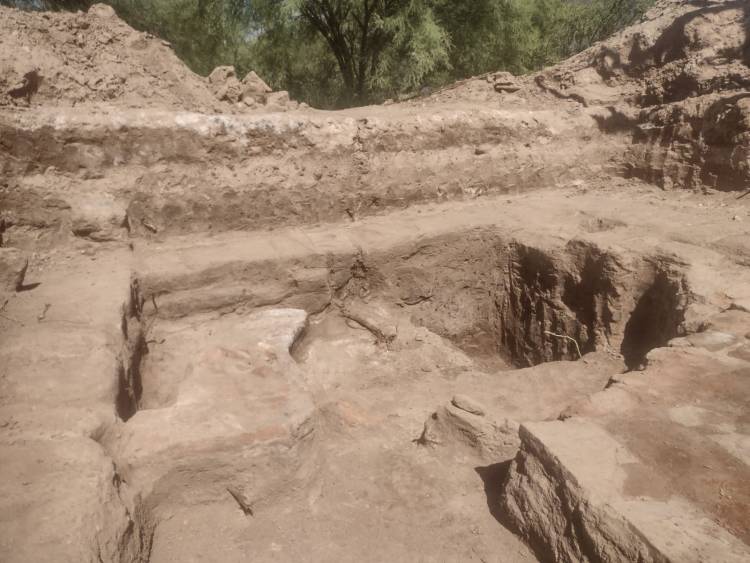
{"points": [[130, 386], [494, 476], [654, 321]]}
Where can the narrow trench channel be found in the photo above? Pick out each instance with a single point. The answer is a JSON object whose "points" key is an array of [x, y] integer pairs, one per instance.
{"points": [[135, 347]]}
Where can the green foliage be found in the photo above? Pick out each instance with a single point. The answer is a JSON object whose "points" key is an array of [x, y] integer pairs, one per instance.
{"points": [[380, 46], [526, 35], [333, 53], [293, 57], [415, 47], [432, 42], [205, 33], [570, 27]]}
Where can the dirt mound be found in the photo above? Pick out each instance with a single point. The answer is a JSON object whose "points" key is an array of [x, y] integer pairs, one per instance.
{"points": [[678, 83], [66, 59], [674, 87], [92, 57]]}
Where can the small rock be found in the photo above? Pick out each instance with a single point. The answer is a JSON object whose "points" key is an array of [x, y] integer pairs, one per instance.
{"points": [[695, 317], [280, 98], [505, 82], [460, 426], [468, 404], [224, 84], [679, 342], [102, 11], [90, 230], [254, 89], [221, 74], [13, 264], [27, 86], [83, 227]]}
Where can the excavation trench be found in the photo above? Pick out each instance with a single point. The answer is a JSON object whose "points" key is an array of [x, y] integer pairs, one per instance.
{"points": [[251, 374]]}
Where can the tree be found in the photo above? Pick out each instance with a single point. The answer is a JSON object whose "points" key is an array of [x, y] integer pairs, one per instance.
{"points": [[294, 57], [484, 34], [379, 45]]}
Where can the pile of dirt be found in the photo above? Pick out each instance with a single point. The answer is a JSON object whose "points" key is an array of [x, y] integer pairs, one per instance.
{"points": [[677, 84], [674, 87], [67, 59]]}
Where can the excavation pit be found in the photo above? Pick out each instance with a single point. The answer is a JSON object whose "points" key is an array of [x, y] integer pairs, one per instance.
{"points": [[329, 369]]}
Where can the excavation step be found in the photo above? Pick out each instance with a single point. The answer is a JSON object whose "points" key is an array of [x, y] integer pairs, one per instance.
{"points": [[513, 272], [175, 172], [224, 405], [62, 353], [654, 468], [568, 495]]}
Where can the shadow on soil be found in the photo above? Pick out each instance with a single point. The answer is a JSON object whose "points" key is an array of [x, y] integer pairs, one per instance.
{"points": [[29, 286], [493, 476]]}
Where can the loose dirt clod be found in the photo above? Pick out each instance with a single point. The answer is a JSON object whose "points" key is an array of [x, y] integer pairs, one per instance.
{"points": [[245, 311]]}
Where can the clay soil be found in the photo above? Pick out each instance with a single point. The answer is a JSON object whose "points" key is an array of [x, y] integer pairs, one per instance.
{"points": [[509, 321]]}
